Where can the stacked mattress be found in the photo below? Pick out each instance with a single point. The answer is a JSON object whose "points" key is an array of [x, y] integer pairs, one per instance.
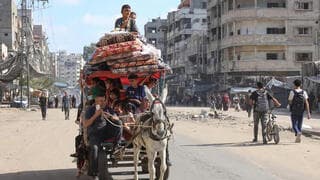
{"points": [[124, 53]]}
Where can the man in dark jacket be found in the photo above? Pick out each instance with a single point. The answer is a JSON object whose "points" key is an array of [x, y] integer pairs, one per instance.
{"points": [[66, 105], [260, 100], [43, 105], [99, 129]]}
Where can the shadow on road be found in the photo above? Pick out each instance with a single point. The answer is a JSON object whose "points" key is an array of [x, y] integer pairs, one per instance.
{"points": [[237, 144], [57, 174]]}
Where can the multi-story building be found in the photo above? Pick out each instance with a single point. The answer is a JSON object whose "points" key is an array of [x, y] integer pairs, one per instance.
{"points": [[9, 24], [250, 39], [53, 66], [186, 39], [155, 33], [69, 66], [41, 49]]}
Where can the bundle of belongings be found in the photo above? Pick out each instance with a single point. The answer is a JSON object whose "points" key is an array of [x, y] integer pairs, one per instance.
{"points": [[123, 53]]}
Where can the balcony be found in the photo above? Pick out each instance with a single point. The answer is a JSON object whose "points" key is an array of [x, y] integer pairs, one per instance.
{"points": [[265, 39], [257, 65], [253, 13]]}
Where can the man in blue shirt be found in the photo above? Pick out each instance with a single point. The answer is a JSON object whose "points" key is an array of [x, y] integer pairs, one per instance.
{"points": [[135, 93], [100, 130]]}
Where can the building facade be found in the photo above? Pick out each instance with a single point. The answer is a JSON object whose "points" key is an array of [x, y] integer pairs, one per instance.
{"points": [[186, 42], [155, 33], [250, 39], [53, 65], [69, 66], [9, 25], [41, 49]]}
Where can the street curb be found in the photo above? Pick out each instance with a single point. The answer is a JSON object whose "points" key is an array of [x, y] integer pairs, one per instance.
{"points": [[311, 132]]}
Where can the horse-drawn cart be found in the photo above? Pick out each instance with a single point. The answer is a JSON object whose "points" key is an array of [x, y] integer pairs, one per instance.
{"points": [[118, 55]]}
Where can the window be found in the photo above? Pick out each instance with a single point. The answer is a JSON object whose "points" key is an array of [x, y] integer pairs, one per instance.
{"points": [[304, 56], [204, 20], [276, 30], [304, 30], [204, 5], [276, 5], [303, 5], [6, 34], [272, 56]]}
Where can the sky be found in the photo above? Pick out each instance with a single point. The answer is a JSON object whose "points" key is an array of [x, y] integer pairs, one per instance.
{"points": [[72, 24]]}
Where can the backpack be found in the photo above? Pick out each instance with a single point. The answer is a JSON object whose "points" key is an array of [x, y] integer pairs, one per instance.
{"points": [[262, 102], [297, 104]]}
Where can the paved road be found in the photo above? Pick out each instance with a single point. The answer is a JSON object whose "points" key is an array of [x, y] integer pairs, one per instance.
{"points": [[33, 149]]}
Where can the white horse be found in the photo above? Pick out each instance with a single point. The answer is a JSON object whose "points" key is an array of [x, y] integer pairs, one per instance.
{"points": [[153, 134]]}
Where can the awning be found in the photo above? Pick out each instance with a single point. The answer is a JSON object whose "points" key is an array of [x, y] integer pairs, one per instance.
{"points": [[277, 83], [315, 79]]}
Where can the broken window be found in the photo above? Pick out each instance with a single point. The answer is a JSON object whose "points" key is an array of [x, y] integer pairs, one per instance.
{"points": [[303, 5], [303, 56], [304, 30], [272, 56], [276, 30]]}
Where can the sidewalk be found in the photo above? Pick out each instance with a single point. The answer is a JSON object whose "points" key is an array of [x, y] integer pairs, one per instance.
{"points": [[310, 126]]}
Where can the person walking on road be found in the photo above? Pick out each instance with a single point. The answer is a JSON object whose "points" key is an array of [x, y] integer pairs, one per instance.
{"points": [[73, 99], [56, 101], [43, 101], [66, 105], [298, 101], [260, 100], [225, 101], [247, 104]]}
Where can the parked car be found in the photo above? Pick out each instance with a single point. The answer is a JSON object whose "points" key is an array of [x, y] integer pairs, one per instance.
{"points": [[17, 102]]}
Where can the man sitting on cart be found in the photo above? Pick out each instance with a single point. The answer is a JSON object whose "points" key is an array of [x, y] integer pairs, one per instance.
{"points": [[100, 130], [135, 93], [125, 23]]}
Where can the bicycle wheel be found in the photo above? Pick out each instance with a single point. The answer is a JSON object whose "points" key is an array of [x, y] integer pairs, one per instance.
{"points": [[276, 135], [269, 131]]}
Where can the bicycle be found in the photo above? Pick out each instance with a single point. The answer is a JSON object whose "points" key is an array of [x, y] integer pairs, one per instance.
{"points": [[273, 130]]}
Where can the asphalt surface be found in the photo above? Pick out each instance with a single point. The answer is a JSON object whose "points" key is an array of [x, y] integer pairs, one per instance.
{"points": [[39, 150]]}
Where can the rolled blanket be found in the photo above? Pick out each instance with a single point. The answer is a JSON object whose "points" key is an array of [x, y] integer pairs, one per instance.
{"points": [[114, 38], [137, 56], [119, 48], [139, 69], [135, 63], [113, 57]]}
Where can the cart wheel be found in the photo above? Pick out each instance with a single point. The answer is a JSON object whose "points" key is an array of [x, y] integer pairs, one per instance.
{"points": [[103, 173], [157, 165], [269, 131], [276, 131]]}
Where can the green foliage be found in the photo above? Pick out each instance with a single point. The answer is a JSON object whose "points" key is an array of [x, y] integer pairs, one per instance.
{"points": [[41, 83]]}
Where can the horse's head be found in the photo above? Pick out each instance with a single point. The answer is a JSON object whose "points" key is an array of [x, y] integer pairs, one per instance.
{"points": [[160, 123]]}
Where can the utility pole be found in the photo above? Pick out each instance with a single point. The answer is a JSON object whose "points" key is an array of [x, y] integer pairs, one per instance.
{"points": [[25, 34]]}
